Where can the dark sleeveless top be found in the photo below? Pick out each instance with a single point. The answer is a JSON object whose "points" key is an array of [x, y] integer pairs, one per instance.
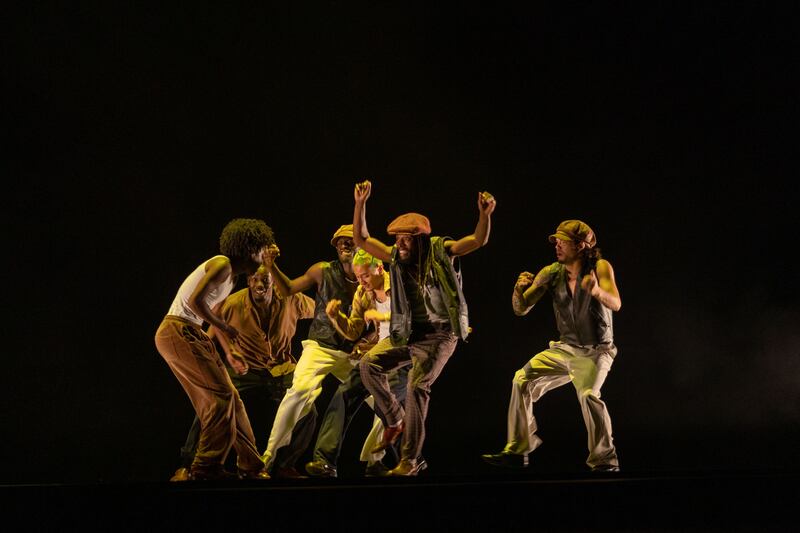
{"points": [[581, 319], [334, 286]]}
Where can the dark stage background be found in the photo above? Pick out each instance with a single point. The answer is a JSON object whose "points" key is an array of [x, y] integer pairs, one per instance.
{"points": [[134, 133]]}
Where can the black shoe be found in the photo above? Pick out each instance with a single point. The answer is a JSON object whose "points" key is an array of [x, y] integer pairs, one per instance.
{"points": [[605, 468], [320, 468], [506, 459], [376, 470]]}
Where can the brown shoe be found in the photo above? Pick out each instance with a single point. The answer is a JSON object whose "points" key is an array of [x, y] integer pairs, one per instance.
{"points": [[181, 474], [289, 472], [260, 475], [217, 473], [390, 435], [408, 467]]}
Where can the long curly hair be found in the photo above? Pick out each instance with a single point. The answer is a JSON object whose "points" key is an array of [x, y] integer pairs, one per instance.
{"points": [[242, 237]]}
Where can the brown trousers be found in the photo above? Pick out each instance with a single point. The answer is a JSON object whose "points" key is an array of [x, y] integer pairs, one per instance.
{"points": [[194, 360]]}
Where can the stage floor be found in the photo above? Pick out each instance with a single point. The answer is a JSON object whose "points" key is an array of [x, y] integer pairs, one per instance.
{"points": [[506, 501]]}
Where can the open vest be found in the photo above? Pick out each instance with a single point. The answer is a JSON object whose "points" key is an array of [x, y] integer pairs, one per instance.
{"points": [[447, 279], [581, 319]]}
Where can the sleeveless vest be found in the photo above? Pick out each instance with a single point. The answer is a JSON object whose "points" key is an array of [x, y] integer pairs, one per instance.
{"points": [[334, 286], [581, 319]]}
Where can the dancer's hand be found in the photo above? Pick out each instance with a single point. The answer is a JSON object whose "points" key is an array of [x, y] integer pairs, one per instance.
{"points": [[589, 283], [273, 252], [362, 191], [237, 362], [332, 309], [486, 203], [374, 316], [524, 281]]}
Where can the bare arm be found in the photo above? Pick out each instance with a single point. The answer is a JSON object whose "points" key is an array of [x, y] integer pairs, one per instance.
{"points": [[470, 243], [218, 270], [603, 286], [311, 278], [234, 358], [361, 236], [529, 290]]}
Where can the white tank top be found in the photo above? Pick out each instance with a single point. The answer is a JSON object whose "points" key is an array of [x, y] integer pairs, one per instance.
{"points": [[180, 305], [383, 327]]}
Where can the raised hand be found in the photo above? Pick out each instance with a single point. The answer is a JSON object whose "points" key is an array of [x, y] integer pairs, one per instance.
{"points": [[486, 203], [362, 191], [273, 252]]}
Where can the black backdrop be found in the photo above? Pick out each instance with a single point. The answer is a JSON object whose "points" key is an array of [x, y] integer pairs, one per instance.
{"points": [[135, 133]]}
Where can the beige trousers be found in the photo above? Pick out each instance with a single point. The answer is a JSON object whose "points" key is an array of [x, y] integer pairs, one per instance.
{"points": [[586, 367]]}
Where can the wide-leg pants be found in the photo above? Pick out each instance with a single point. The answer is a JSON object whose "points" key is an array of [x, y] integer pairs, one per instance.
{"points": [[343, 406], [314, 364], [586, 367], [427, 356], [261, 391], [224, 424]]}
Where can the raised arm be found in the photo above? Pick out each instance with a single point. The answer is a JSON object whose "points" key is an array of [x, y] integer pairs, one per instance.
{"points": [[603, 286], [529, 290], [470, 243], [311, 279], [361, 236]]}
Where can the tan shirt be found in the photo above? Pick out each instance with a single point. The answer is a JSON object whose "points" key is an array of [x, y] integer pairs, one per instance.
{"points": [[267, 347]]}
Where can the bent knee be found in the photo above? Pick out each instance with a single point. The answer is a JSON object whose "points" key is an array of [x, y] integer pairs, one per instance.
{"points": [[590, 395], [220, 406], [302, 389], [415, 387]]}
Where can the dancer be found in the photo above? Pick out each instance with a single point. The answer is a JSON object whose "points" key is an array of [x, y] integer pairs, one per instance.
{"points": [[260, 363], [429, 315], [584, 294], [193, 359], [370, 312], [325, 351]]}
